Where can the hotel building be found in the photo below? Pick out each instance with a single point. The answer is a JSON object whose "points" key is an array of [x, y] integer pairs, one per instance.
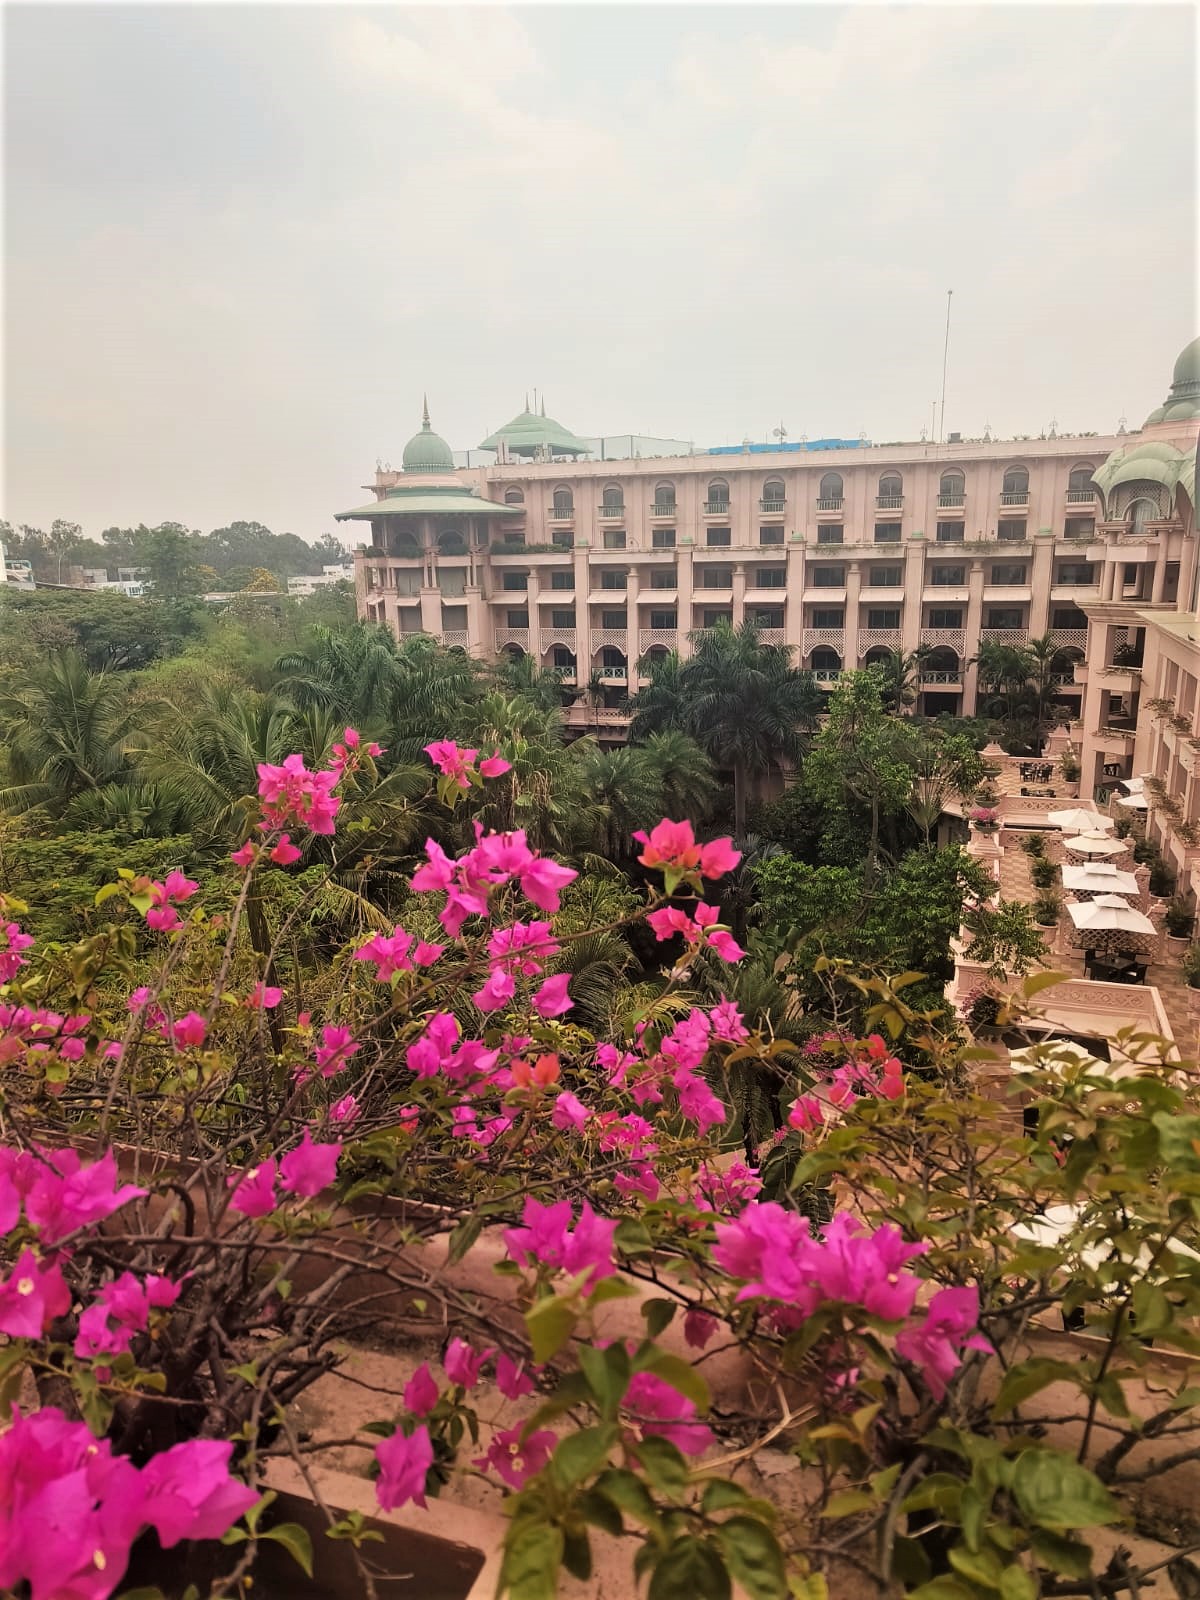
{"points": [[841, 549]]}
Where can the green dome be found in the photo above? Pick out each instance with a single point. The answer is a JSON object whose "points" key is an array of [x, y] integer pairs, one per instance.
{"points": [[1183, 402], [427, 451]]}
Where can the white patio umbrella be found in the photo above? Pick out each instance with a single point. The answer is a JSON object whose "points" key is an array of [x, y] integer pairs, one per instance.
{"points": [[1098, 877], [1076, 820], [1109, 923], [1094, 844], [1133, 785], [1134, 802]]}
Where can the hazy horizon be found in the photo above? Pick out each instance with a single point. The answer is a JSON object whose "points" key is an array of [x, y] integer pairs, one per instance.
{"points": [[242, 241]]}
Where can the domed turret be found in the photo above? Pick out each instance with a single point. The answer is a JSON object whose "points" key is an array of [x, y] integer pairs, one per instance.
{"points": [[1183, 402], [427, 451]]}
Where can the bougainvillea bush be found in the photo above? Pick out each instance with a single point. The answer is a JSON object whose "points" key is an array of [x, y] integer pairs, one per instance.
{"points": [[208, 1184]]}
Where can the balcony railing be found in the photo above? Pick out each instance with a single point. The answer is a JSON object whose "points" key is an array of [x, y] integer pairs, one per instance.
{"points": [[716, 508], [549, 637], [456, 638], [945, 639], [811, 638], [1014, 637], [649, 638], [827, 675], [772, 635], [616, 637], [517, 636], [1014, 497], [940, 677], [614, 674], [562, 513], [877, 638], [833, 503], [772, 507], [611, 513], [1069, 638], [1080, 497], [944, 500], [663, 508], [889, 502]]}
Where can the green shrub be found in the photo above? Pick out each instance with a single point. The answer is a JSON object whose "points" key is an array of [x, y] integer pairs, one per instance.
{"points": [[1044, 873], [1180, 918], [1034, 845]]}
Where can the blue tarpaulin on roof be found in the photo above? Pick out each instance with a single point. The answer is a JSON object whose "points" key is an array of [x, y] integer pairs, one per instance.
{"points": [[775, 449]]}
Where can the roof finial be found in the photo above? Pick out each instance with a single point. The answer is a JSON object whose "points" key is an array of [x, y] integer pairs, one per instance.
{"points": [[425, 411], [527, 402], [543, 405]]}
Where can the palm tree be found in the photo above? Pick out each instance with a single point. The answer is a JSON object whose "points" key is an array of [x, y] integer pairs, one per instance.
{"points": [[1045, 659], [352, 671], [522, 676], [899, 672], [683, 773], [662, 706], [748, 707], [67, 731], [624, 795]]}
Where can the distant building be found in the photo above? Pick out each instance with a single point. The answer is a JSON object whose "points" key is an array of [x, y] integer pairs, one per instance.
{"points": [[339, 572], [17, 573]]}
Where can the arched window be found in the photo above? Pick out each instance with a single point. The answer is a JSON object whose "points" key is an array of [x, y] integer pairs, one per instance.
{"points": [[664, 498], [891, 485], [1081, 477], [823, 659], [1016, 481], [402, 544], [512, 652], [564, 502], [877, 655], [718, 495], [450, 543], [562, 658], [612, 659], [774, 494], [831, 486], [952, 488], [514, 497], [1139, 512], [943, 659], [614, 498]]}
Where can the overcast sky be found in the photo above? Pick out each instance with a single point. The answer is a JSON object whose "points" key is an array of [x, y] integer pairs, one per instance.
{"points": [[241, 241]]}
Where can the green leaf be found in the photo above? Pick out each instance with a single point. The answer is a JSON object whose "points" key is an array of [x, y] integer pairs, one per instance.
{"points": [[612, 1289], [663, 1465], [847, 1502], [982, 1567], [943, 1588], [626, 1490], [550, 1324], [1055, 1492], [607, 1373], [1016, 1584], [720, 1494], [632, 1238], [1042, 980], [1029, 1378], [296, 1541], [753, 1556], [680, 1374], [601, 1513], [971, 1509], [1151, 1309], [577, 1555], [910, 1563], [532, 1556], [1067, 1557], [658, 1315], [580, 1454], [690, 1570], [150, 1593], [464, 1236]]}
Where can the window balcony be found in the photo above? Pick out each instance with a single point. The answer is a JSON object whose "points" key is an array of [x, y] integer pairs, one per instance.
{"points": [[773, 508], [944, 678], [833, 638], [611, 513], [826, 676], [1081, 497], [716, 508], [456, 638], [1014, 497], [614, 674], [616, 637], [663, 508], [650, 638], [776, 636], [945, 639], [1069, 638], [834, 504], [889, 502], [875, 638], [951, 500], [517, 636], [1014, 637], [562, 513]]}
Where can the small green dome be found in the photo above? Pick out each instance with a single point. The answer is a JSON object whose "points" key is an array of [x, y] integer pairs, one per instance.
{"points": [[1183, 402], [1187, 368], [427, 451]]}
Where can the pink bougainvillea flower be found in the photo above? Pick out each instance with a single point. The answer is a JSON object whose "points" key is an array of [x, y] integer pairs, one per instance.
{"points": [[494, 766], [545, 1071], [408, 1117], [716, 937], [176, 887], [639, 1180], [12, 942], [345, 1111], [697, 1102], [496, 992], [245, 857], [254, 1194], [284, 853], [163, 919], [438, 871], [393, 953], [699, 1327], [121, 1310], [189, 1031], [138, 999], [421, 1392], [552, 999], [935, 1347], [673, 845], [452, 761], [462, 1364], [568, 1111], [654, 1407], [404, 1460], [189, 1492], [263, 997], [546, 1239], [515, 1459], [309, 1168], [523, 947], [31, 1297], [67, 1195], [728, 1022], [512, 1377], [806, 1113], [544, 880], [726, 1188], [336, 1047]]}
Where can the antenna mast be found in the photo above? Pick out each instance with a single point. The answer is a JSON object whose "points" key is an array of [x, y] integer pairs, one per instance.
{"points": [[945, 358]]}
